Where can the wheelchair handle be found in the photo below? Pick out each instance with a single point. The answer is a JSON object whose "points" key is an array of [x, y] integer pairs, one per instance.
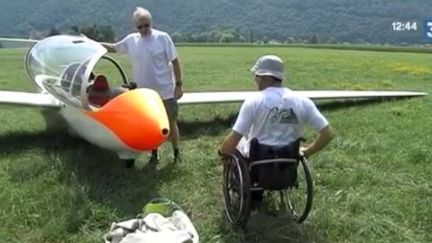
{"points": [[272, 161]]}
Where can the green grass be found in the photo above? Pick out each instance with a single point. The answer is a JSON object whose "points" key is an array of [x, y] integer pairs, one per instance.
{"points": [[382, 48], [372, 184]]}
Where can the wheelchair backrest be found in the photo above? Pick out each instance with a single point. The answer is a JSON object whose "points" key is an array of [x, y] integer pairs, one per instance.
{"points": [[260, 151], [273, 167]]}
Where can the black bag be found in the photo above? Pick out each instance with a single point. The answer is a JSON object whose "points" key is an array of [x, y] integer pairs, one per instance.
{"points": [[275, 176]]}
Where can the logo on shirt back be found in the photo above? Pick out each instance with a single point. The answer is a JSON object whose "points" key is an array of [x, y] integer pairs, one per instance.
{"points": [[282, 116]]}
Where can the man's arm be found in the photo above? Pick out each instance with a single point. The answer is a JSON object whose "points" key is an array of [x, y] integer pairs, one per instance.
{"points": [[109, 46], [321, 140], [241, 126], [177, 71], [230, 143], [178, 90]]}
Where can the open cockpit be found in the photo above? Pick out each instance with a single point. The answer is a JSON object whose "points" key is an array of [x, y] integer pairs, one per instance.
{"points": [[75, 70]]}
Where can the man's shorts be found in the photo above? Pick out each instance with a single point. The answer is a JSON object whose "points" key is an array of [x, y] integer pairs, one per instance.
{"points": [[171, 108]]}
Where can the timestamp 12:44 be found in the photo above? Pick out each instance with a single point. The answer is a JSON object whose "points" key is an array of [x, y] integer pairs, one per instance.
{"points": [[404, 26]]}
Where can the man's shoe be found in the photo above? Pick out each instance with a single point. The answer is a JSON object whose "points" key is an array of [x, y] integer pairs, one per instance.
{"points": [[177, 158], [154, 159], [129, 163]]}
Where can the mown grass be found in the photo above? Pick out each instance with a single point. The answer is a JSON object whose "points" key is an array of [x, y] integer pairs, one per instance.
{"points": [[372, 184], [381, 48]]}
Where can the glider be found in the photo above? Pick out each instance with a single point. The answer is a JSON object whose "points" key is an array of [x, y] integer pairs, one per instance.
{"points": [[133, 121]]}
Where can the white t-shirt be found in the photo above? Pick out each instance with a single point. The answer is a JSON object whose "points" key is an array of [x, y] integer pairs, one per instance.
{"points": [[150, 58], [276, 117]]}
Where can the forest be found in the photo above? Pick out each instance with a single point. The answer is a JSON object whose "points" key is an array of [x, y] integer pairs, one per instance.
{"points": [[270, 21]]}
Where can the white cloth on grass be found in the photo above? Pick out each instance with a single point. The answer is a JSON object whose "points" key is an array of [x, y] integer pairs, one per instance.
{"points": [[154, 228]]}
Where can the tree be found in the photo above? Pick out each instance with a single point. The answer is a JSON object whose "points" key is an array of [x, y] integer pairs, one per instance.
{"points": [[290, 40], [242, 38], [176, 37], [74, 30], [332, 40], [200, 37], [227, 37], [54, 31], [106, 33], [314, 39], [90, 31], [103, 33]]}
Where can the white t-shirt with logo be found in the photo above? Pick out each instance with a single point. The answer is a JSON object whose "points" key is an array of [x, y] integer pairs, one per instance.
{"points": [[150, 58], [276, 116]]}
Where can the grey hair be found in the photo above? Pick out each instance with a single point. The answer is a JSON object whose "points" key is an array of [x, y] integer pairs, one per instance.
{"points": [[141, 12]]}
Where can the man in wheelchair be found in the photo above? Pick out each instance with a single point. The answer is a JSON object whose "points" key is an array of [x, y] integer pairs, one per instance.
{"points": [[274, 120]]}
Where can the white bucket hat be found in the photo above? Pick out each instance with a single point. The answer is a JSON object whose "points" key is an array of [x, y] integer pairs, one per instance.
{"points": [[269, 65]]}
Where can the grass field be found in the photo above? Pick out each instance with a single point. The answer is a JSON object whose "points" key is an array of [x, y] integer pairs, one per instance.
{"points": [[372, 184]]}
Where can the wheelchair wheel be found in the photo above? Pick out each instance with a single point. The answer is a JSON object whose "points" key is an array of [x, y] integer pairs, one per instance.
{"points": [[236, 189], [298, 199]]}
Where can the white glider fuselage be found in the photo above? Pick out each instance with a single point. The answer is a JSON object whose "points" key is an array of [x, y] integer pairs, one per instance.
{"points": [[129, 122], [95, 132]]}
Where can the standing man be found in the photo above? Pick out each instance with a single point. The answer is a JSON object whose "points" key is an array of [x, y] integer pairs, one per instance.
{"points": [[276, 116], [154, 60]]}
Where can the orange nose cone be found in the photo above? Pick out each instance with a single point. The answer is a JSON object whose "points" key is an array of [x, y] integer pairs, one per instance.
{"points": [[137, 117]]}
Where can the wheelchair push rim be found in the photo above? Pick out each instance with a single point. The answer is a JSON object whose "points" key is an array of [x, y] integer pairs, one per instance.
{"points": [[298, 199], [236, 189]]}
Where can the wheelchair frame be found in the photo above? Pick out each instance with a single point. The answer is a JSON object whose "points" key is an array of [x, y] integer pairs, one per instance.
{"points": [[237, 188]]}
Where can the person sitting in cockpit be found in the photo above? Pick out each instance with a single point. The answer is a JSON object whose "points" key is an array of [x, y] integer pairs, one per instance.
{"points": [[99, 92]]}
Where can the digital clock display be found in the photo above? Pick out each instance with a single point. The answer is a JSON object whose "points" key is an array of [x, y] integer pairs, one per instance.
{"points": [[404, 26]]}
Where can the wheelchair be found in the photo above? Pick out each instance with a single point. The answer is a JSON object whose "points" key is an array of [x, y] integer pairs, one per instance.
{"points": [[281, 172]]}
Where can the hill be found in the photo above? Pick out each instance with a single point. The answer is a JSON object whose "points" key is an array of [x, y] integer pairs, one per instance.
{"points": [[328, 21]]}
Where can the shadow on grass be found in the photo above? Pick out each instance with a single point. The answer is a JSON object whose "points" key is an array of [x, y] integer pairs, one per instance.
{"points": [[91, 175], [106, 181], [262, 227], [216, 126], [343, 104], [213, 127]]}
